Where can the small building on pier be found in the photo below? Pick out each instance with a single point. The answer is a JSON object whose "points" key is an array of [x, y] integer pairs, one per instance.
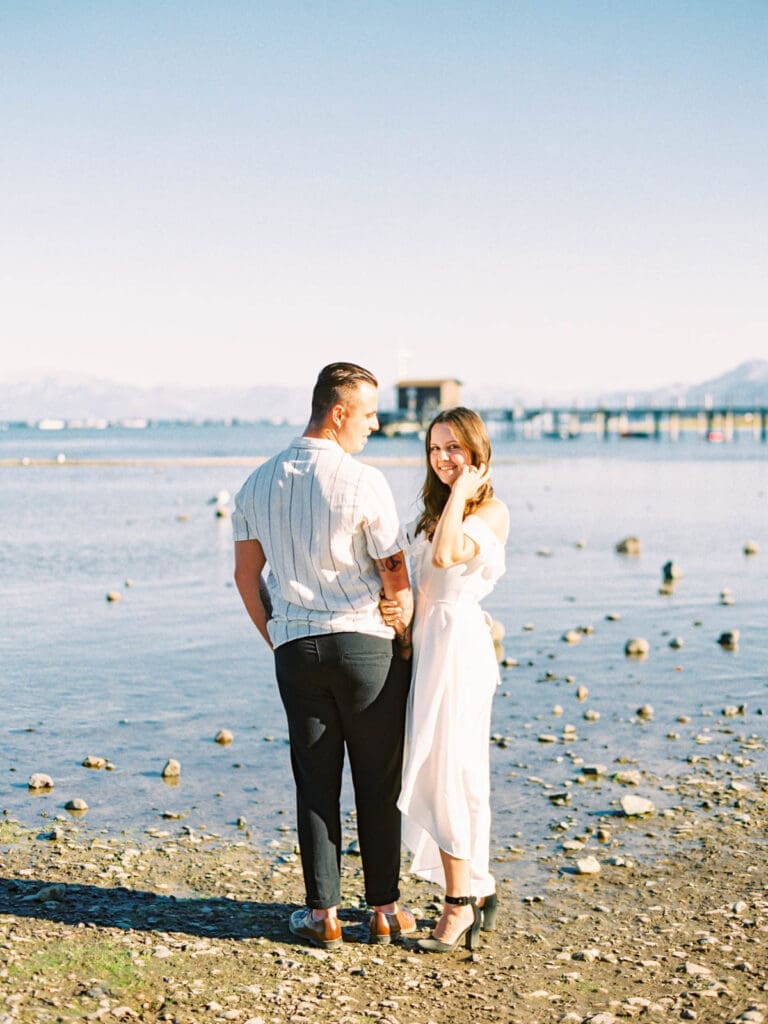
{"points": [[417, 402], [422, 399]]}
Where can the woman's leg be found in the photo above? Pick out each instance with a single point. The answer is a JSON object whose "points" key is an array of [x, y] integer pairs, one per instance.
{"points": [[454, 919]]}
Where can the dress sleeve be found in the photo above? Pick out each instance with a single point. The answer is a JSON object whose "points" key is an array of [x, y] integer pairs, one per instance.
{"points": [[490, 548]]}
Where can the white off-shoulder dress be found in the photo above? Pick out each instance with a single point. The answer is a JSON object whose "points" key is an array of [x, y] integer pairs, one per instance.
{"points": [[445, 795]]}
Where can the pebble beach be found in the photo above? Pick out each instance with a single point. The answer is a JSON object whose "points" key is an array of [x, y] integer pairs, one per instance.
{"points": [[664, 918], [149, 870]]}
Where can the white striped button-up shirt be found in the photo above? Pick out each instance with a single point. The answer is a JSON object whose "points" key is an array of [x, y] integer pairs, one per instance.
{"points": [[322, 519]]}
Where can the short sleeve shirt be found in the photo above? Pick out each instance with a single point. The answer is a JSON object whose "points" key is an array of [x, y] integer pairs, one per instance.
{"points": [[322, 518]]}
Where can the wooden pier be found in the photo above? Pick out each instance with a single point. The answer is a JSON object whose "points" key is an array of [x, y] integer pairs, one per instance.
{"points": [[569, 422], [419, 400]]}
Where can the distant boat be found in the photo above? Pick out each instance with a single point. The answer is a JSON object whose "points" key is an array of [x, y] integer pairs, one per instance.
{"points": [[564, 434], [51, 424], [643, 435], [715, 436]]}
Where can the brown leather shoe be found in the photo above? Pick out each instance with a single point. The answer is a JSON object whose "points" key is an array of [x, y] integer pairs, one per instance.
{"points": [[386, 928], [326, 933]]}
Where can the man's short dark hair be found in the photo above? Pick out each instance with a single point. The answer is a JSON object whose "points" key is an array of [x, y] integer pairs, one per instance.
{"points": [[334, 384]]}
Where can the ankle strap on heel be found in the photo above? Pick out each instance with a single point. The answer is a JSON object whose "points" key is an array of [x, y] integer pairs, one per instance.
{"points": [[461, 901]]}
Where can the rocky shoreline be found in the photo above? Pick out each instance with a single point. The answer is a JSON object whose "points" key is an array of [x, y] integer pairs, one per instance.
{"points": [[186, 927]]}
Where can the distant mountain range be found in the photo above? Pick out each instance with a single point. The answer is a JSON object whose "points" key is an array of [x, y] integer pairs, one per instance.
{"points": [[33, 398], [745, 385], [90, 399]]}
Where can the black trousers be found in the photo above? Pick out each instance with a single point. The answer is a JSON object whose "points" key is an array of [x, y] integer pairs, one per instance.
{"points": [[345, 690]]}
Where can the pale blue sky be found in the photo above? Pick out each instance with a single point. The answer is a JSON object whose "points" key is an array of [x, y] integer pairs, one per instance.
{"points": [[553, 196]]}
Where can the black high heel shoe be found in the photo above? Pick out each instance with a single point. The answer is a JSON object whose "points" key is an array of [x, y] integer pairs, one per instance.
{"points": [[470, 935], [488, 912]]}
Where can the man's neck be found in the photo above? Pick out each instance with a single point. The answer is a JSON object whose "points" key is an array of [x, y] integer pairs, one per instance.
{"points": [[322, 433]]}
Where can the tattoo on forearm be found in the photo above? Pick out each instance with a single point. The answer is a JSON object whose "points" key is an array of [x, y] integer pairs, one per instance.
{"points": [[391, 564]]}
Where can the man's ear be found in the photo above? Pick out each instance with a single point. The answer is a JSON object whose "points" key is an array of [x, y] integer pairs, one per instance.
{"points": [[337, 414]]}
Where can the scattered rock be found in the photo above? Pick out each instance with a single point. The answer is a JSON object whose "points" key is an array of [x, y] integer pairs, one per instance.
{"points": [[586, 955], [628, 777], [588, 866], [697, 970], [39, 780], [754, 1014], [224, 737], [48, 892], [94, 762], [636, 806], [114, 595], [671, 571], [751, 547], [560, 799], [76, 805], [729, 640], [171, 769], [628, 546], [637, 647]]}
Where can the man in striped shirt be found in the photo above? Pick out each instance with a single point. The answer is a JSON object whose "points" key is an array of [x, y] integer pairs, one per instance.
{"points": [[326, 528]]}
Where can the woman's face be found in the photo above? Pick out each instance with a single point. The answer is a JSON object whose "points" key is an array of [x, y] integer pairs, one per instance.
{"points": [[446, 453]]}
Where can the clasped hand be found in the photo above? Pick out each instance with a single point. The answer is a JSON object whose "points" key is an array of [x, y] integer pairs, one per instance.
{"points": [[393, 614]]}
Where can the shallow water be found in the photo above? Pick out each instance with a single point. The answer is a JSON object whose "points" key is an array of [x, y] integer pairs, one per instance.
{"points": [[156, 674]]}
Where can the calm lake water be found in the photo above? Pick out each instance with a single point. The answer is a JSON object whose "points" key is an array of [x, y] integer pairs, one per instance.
{"points": [[158, 673]]}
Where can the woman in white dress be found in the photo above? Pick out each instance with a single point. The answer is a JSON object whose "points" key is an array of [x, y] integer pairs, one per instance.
{"points": [[457, 555]]}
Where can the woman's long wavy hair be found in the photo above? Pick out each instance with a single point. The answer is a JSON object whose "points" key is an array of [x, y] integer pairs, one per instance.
{"points": [[471, 433]]}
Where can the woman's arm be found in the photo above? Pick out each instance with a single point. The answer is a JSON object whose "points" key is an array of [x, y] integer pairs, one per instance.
{"points": [[450, 544]]}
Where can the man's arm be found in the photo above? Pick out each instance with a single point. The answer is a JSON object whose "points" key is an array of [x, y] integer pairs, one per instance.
{"points": [[393, 571], [249, 565]]}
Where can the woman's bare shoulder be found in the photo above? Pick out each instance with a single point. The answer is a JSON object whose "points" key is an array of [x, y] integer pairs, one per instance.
{"points": [[496, 514]]}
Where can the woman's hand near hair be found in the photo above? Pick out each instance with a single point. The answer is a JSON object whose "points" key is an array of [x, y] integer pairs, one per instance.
{"points": [[470, 480], [450, 545]]}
